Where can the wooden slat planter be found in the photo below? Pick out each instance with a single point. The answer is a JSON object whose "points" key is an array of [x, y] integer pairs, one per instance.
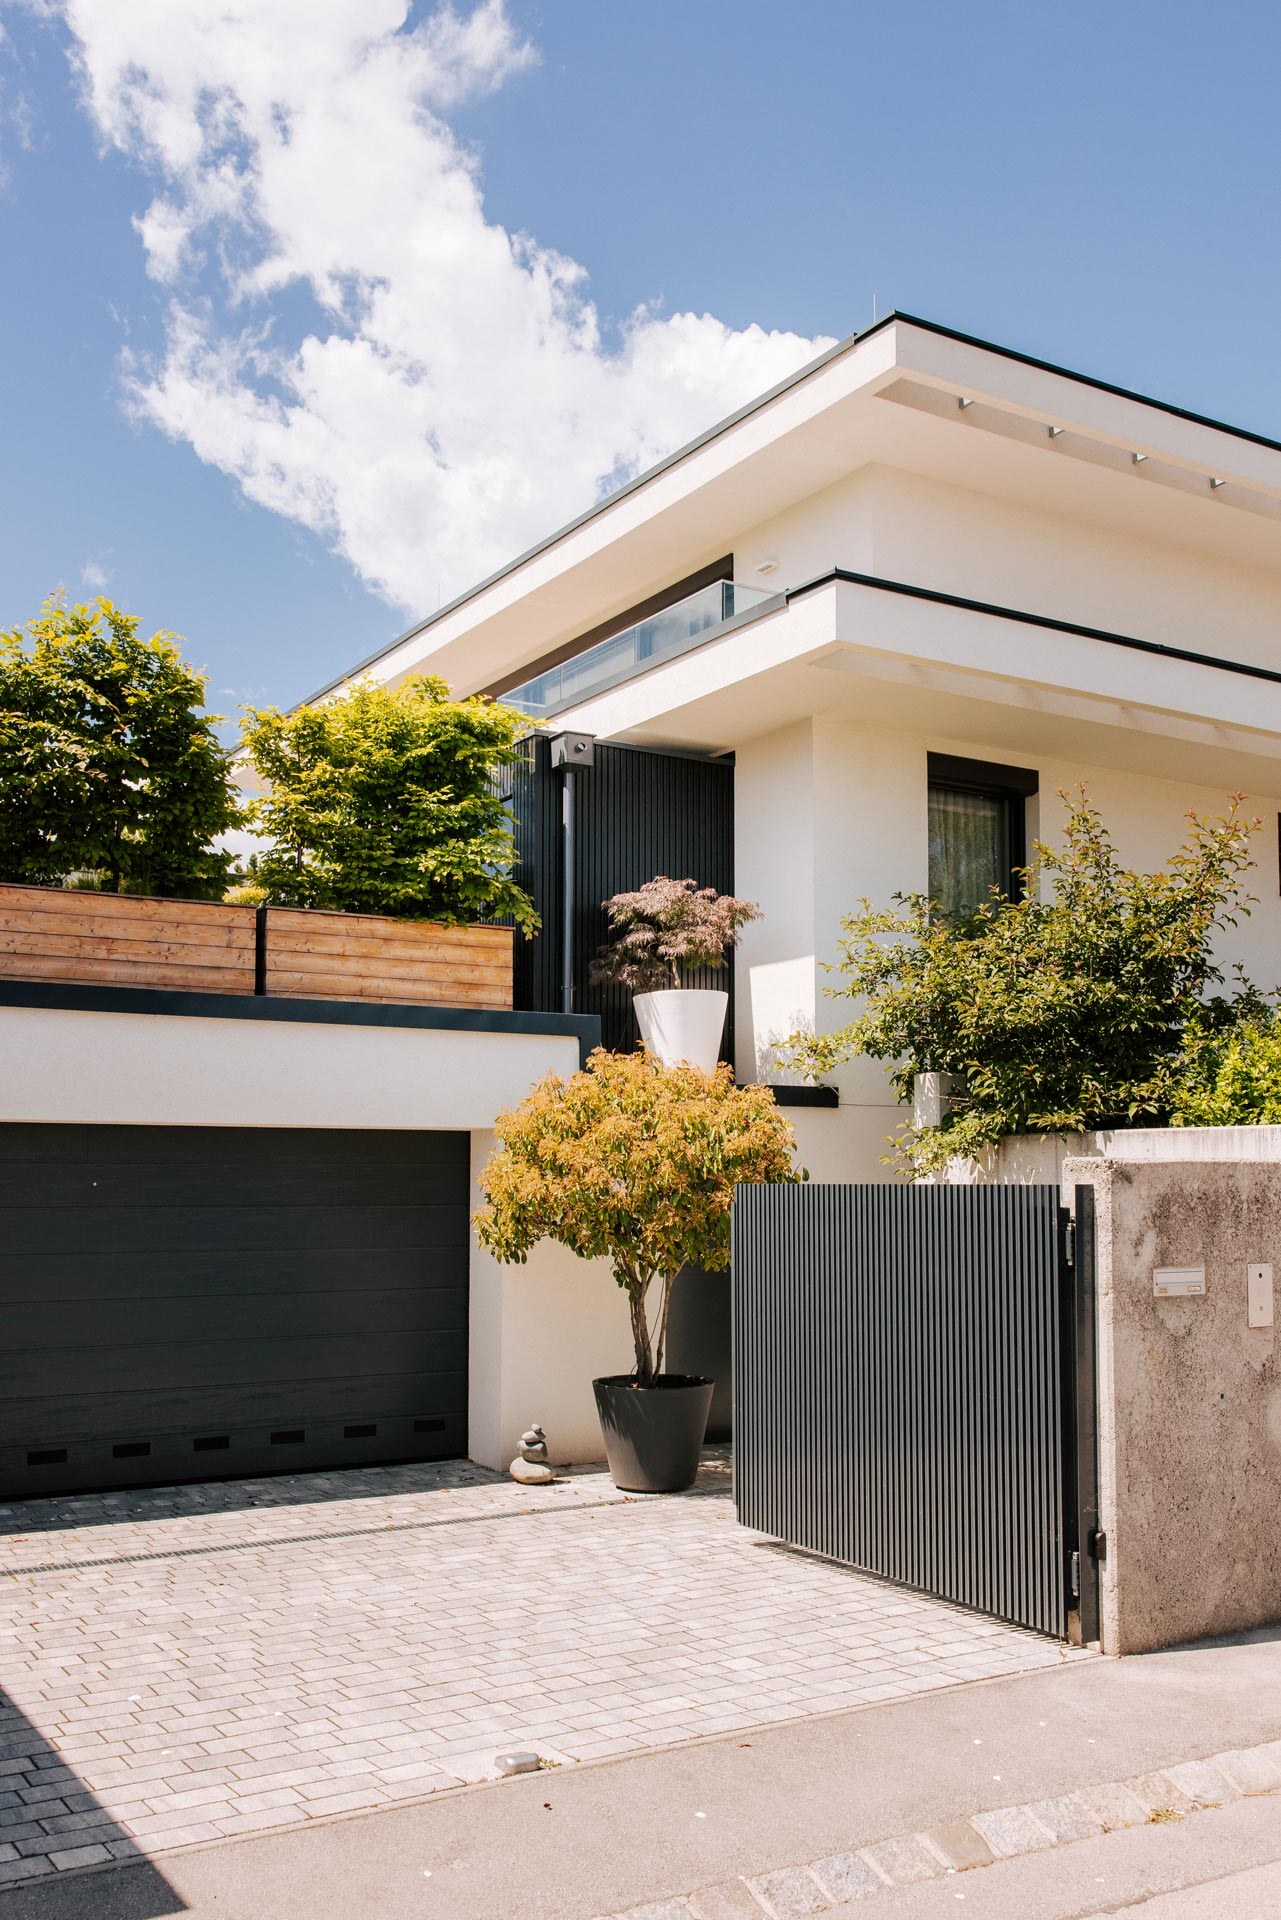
{"points": [[356, 956], [123, 940]]}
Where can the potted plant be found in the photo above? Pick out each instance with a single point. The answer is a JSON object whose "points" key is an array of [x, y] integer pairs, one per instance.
{"points": [[636, 1163], [664, 927]]}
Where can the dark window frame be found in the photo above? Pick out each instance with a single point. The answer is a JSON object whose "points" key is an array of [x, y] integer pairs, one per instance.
{"points": [[993, 780]]}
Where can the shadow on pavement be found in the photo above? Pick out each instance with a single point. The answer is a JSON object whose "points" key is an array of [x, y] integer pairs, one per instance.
{"points": [[58, 1513], [45, 1811]]}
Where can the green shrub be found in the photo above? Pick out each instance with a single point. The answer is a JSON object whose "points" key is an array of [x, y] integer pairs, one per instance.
{"points": [[1061, 1011], [1232, 1077], [382, 800], [111, 773]]}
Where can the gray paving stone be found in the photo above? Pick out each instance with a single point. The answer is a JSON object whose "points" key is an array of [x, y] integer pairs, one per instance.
{"points": [[660, 1910], [1250, 1770], [1157, 1793], [1064, 1819], [847, 1876], [903, 1860], [1203, 1783], [959, 1845], [730, 1900], [79, 1857], [13, 1870], [1010, 1831], [177, 1695], [1113, 1806], [792, 1891]]}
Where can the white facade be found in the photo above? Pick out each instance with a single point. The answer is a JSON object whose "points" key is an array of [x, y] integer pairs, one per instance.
{"points": [[918, 460], [1051, 576]]}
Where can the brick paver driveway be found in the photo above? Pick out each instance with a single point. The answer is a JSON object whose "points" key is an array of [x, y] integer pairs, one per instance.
{"points": [[186, 1664]]}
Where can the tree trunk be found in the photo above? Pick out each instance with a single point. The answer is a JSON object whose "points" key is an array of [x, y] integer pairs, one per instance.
{"points": [[636, 1290]]}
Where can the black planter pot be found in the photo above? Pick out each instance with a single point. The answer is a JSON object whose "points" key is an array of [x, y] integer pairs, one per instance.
{"points": [[653, 1435]]}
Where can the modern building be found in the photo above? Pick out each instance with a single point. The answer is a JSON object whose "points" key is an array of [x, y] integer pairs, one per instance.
{"points": [[900, 602], [851, 642]]}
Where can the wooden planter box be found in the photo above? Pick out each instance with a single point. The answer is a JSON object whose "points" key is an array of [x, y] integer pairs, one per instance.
{"points": [[122, 940], [47, 933], [357, 956]]}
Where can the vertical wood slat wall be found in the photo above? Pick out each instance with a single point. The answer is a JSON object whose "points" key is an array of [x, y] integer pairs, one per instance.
{"points": [[52, 934], [898, 1387]]}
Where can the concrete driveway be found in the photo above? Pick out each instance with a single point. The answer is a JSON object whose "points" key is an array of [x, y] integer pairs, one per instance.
{"points": [[190, 1665]]}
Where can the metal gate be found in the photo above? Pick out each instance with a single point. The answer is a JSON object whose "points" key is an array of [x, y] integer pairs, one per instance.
{"points": [[914, 1389]]}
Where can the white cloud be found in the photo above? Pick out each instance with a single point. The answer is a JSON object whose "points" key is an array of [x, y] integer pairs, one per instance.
{"points": [[94, 576], [450, 395]]}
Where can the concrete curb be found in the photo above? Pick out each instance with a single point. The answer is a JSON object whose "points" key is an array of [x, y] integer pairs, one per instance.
{"points": [[960, 1846]]}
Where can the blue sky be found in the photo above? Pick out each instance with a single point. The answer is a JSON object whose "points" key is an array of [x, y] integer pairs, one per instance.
{"points": [[1096, 185]]}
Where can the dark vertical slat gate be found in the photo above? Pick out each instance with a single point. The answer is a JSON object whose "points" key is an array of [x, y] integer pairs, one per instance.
{"points": [[636, 814], [903, 1391]]}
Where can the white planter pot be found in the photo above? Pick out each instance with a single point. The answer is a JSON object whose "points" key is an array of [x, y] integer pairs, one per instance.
{"points": [[683, 1024]]}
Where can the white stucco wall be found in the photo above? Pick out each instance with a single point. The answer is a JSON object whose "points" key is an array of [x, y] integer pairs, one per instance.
{"points": [[540, 1334], [161, 1070], [827, 813]]}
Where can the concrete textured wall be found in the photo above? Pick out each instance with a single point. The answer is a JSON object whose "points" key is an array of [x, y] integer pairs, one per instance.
{"points": [[1189, 1400]]}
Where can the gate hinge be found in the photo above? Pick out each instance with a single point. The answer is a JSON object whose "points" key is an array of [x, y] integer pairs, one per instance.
{"points": [[1069, 1242], [1097, 1542]]}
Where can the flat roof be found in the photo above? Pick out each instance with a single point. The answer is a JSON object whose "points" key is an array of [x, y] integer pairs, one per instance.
{"points": [[897, 315]]}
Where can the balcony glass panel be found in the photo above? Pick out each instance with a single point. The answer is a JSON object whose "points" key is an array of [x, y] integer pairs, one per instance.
{"points": [[661, 637]]}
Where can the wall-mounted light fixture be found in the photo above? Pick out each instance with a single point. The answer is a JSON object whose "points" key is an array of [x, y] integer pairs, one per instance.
{"points": [[1054, 432], [1138, 458], [963, 404], [1216, 484]]}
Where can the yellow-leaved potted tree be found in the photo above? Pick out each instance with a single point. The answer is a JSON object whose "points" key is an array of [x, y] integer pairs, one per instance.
{"points": [[636, 1163]]}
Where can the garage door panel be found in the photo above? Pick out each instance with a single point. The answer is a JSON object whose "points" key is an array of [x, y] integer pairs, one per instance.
{"points": [[237, 1320], [153, 1231], [96, 1186], [264, 1407], [213, 1150], [228, 1301], [235, 1365], [123, 1278]]}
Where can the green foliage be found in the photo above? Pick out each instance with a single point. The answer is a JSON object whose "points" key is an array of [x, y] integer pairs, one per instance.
{"points": [[1059, 1011], [110, 768], [381, 800], [1229, 1074], [636, 1163]]}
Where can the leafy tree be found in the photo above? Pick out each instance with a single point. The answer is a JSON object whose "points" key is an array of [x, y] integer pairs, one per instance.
{"points": [[1063, 1010], [634, 1162], [109, 764], [664, 926], [382, 800]]}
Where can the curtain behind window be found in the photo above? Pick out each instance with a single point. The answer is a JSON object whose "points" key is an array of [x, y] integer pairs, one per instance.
{"points": [[969, 848]]}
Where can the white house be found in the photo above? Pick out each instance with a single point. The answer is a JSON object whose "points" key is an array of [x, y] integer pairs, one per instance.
{"points": [[850, 642], [915, 591]]}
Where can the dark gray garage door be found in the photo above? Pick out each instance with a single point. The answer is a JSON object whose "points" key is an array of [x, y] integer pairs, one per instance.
{"points": [[192, 1303]]}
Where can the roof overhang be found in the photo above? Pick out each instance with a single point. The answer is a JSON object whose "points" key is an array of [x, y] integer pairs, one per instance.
{"points": [[906, 393]]}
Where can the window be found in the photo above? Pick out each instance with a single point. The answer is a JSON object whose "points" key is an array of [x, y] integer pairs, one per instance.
{"points": [[978, 838]]}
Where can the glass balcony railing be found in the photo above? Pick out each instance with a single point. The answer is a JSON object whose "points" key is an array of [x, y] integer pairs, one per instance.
{"points": [[664, 635]]}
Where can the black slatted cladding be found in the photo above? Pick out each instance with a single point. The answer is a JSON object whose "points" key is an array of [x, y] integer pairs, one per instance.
{"points": [[903, 1387], [637, 814]]}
